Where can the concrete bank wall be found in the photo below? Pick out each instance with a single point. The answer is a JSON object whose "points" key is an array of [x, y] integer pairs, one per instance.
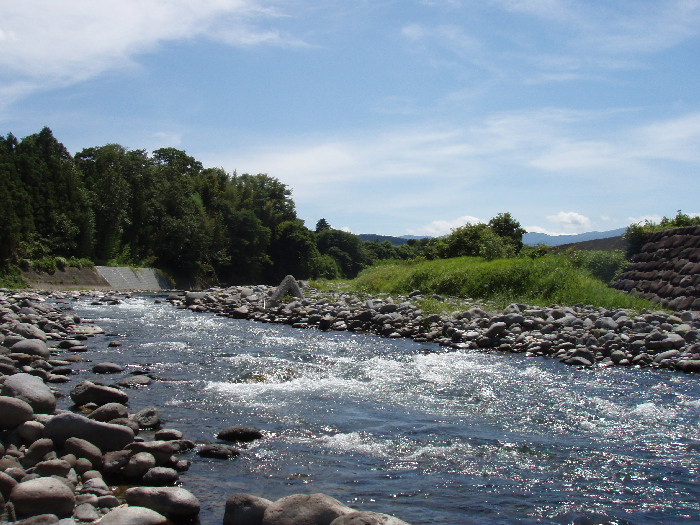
{"points": [[122, 278], [667, 271]]}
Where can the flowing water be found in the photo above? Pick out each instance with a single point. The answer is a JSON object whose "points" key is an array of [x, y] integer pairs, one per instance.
{"points": [[404, 428]]}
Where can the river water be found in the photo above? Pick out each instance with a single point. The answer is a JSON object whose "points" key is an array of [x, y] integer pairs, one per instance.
{"points": [[404, 428]]}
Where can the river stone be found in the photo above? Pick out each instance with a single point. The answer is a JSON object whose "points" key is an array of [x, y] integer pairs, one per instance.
{"points": [[160, 476], [81, 448], [35, 347], [7, 483], [218, 451], [107, 368], [52, 467], [148, 417], [174, 502], [30, 431], [89, 392], [138, 465], [108, 412], [245, 509], [162, 451], [105, 436], [37, 451], [133, 515], [136, 381], [96, 486], [14, 412], [42, 496], [239, 433], [29, 331], [304, 509], [32, 390], [167, 434], [367, 518], [85, 512]]}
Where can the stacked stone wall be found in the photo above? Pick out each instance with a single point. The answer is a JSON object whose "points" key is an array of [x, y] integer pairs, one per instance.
{"points": [[667, 271]]}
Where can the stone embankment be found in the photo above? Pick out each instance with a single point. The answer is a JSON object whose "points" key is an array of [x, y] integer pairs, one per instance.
{"points": [[576, 335], [63, 466], [667, 271]]}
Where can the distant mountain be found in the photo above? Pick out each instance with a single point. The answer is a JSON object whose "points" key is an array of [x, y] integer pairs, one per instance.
{"points": [[396, 241], [533, 239]]}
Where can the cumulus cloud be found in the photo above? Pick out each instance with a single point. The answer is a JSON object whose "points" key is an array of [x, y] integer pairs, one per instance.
{"points": [[570, 220], [440, 228]]}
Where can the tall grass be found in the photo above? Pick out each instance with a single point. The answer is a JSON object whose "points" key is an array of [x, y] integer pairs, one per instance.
{"points": [[543, 281]]}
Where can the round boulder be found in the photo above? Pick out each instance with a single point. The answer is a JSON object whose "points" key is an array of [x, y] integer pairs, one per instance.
{"points": [[304, 509], [245, 509], [31, 390], [32, 347], [42, 496], [173, 502], [133, 516], [105, 436], [108, 412], [14, 412], [81, 448], [107, 368], [29, 331], [89, 392], [239, 433]]}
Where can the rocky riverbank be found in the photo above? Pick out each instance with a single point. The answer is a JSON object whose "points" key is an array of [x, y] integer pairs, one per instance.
{"points": [[101, 461], [576, 335]]}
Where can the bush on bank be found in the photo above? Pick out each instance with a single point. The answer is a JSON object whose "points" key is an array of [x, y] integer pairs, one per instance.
{"points": [[543, 281]]}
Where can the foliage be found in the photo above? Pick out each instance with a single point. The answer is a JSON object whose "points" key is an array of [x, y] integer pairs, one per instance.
{"points": [[602, 264], [346, 249], [637, 234], [541, 281]]}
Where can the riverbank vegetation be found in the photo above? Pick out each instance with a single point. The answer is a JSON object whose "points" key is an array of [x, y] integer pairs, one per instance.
{"points": [[108, 205]]}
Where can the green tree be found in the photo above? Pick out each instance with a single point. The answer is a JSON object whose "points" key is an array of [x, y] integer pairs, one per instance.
{"points": [[322, 225], [505, 226], [347, 249]]}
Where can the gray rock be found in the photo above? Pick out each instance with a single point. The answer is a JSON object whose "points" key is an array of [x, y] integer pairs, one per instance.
{"points": [[112, 462], [304, 509], [138, 465], [85, 512], [133, 515], [160, 476], [218, 451], [109, 411], [30, 431], [52, 467], [136, 381], [42, 496], [32, 347], [245, 509], [162, 451], [367, 518], [105, 436], [173, 502], [29, 331], [148, 417], [14, 412], [107, 368], [81, 448], [167, 434], [89, 392], [7, 483], [96, 486], [239, 433], [42, 519], [32, 390]]}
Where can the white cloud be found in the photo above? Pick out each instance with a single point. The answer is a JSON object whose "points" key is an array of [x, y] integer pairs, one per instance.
{"points": [[570, 220], [53, 44], [440, 228]]}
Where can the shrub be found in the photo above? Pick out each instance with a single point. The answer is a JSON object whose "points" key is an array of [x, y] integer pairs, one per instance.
{"points": [[603, 265]]}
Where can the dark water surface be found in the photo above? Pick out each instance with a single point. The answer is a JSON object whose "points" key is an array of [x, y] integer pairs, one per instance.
{"points": [[451, 438]]}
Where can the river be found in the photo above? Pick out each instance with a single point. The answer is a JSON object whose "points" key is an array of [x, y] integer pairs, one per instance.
{"points": [[394, 426]]}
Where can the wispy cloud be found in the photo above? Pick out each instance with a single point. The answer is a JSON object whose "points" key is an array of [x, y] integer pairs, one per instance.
{"points": [[441, 227], [54, 44]]}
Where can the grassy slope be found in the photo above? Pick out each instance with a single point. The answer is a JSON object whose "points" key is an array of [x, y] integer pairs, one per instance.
{"points": [[543, 281]]}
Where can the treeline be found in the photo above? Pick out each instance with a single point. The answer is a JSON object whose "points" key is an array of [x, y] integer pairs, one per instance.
{"points": [[115, 206]]}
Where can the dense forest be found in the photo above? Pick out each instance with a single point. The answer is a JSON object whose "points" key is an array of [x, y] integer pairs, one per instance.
{"points": [[114, 206]]}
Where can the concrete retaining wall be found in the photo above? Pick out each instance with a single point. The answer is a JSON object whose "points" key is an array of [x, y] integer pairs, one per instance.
{"points": [[122, 278], [667, 271]]}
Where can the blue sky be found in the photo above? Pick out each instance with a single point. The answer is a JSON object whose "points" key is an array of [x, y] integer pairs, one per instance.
{"points": [[388, 117]]}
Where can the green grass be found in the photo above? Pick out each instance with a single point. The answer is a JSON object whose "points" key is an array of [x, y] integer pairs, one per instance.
{"points": [[542, 282]]}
